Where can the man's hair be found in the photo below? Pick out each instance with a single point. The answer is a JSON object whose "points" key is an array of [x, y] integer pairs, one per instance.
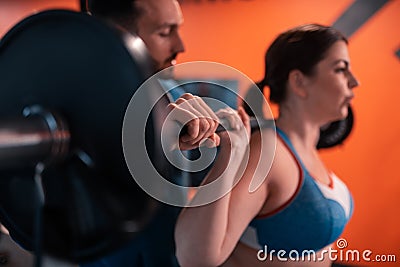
{"points": [[122, 12]]}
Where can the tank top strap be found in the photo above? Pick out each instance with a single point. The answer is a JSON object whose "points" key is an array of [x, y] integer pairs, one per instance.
{"points": [[289, 144]]}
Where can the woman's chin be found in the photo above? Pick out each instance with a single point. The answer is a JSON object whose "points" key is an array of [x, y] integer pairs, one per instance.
{"points": [[345, 112], [342, 114], [339, 116]]}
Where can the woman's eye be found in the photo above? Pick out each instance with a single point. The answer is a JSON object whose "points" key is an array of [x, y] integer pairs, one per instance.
{"points": [[341, 70]]}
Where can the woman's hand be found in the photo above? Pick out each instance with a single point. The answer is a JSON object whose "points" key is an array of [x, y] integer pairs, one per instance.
{"points": [[239, 122], [206, 234]]}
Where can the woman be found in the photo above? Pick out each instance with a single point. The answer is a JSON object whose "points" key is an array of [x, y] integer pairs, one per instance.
{"points": [[301, 207]]}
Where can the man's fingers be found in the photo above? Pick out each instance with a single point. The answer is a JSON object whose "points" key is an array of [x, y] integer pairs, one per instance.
{"points": [[212, 119], [207, 124], [215, 140], [182, 116], [205, 112], [210, 142], [201, 122], [199, 104], [197, 126]]}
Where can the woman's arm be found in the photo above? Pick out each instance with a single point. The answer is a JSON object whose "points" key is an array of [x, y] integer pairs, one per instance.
{"points": [[206, 235]]}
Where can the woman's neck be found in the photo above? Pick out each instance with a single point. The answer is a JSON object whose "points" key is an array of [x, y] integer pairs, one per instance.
{"points": [[302, 132]]}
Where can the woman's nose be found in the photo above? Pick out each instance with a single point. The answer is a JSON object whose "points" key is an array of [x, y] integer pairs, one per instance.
{"points": [[353, 82]]}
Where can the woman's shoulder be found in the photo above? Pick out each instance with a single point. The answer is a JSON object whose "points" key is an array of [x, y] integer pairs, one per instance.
{"points": [[285, 165]]}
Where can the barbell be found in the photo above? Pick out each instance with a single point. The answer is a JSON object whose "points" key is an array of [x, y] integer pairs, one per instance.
{"points": [[66, 79]]}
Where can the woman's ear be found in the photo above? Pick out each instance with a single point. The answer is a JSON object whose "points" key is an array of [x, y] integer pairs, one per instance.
{"points": [[296, 82]]}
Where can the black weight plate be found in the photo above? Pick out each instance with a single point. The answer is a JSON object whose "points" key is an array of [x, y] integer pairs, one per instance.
{"points": [[74, 64], [336, 132]]}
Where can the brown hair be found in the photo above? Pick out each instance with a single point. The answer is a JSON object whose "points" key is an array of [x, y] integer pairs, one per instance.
{"points": [[299, 48]]}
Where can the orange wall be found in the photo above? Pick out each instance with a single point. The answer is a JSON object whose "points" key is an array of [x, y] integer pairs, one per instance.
{"points": [[11, 11], [237, 32]]}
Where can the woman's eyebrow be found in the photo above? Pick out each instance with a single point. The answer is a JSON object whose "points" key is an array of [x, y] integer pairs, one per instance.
{"points": [[341, 60]]}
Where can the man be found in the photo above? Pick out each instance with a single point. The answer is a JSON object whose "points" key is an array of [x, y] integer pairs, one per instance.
{"points": [[157, 23]]}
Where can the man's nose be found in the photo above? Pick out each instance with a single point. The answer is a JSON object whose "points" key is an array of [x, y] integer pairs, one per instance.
{"points": [[179, 47]]}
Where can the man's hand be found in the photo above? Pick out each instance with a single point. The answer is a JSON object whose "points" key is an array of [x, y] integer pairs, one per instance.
{"points": [[199, 121]]}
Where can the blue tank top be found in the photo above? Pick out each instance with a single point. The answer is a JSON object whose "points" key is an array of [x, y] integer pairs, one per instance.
{"points": [[313, 218]]}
